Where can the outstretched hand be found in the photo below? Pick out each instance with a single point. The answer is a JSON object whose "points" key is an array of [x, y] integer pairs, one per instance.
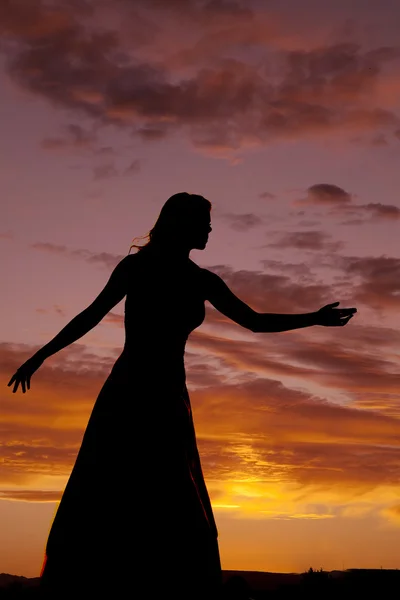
{"points": [[329, 316], [24, 373]]}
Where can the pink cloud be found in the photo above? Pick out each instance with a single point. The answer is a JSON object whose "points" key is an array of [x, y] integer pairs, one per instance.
{"points": [[306, 240], [106, 259], [380, 280], [222, 103], [74, 136], [242, 222]]}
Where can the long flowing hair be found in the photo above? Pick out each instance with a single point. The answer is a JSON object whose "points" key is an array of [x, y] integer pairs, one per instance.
{"points": [[177, 210]]}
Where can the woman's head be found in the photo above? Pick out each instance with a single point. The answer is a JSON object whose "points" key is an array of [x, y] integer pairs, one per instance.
{"points": [[184, 222]]}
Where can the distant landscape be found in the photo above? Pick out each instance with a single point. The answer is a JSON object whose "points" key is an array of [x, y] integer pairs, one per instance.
{"points": [[257, 585]]}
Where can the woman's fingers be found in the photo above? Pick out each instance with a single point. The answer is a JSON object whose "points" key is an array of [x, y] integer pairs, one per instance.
{"points": [[346, 320], [11, 380], [21, 377], [16, 379], [333, 305]]}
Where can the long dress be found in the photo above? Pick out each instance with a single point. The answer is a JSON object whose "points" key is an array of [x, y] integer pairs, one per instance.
{"points": [[135, 517]]}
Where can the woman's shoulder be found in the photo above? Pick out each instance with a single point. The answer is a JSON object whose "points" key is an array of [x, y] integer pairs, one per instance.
{"points": [[129, 264], [203, 271], [205, 276], [196, 268], [128, 260]]}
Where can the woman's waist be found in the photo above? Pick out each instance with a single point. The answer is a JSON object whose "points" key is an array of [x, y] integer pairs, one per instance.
{"points": [[143, 357], [152, 346]]}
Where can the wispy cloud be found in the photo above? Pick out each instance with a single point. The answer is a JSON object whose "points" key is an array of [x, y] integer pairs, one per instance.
{"points": [[267, 196], [241, 222], [104, 171], [57, 309], [31, 495], [377, 210], [134, 167], [103, 258], [75, 136], [306, 240], [379, 284]]}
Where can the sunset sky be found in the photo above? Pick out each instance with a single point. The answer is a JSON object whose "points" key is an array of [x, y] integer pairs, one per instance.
{"points": [[284, 114]]}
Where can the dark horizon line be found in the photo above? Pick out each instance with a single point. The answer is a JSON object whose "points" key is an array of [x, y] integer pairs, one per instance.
{"points": [[315, 570]]}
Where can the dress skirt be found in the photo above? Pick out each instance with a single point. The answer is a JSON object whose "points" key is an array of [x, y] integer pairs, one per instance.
{"points": [[135, 518]]}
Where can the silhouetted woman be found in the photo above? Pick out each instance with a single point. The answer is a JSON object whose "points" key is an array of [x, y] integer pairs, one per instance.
{"points": [[136, 506]]}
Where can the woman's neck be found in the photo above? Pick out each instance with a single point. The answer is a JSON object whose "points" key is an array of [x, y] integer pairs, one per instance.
{"points": [[169, 253]]}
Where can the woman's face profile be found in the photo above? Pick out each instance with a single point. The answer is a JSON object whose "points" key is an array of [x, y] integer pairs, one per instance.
{"points": [[199, 229]]}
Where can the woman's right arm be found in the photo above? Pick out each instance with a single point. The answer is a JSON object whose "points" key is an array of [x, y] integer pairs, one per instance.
{"points": [[113, 292]]}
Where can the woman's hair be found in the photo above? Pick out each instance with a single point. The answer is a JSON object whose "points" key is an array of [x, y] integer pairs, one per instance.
{"points": [[178, 210]]}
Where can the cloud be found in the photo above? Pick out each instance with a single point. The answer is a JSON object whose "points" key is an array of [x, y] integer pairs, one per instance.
{"points": [[267, 196], [392, 513], [340, 203], [326, 194], [153, 82], [377, 210], [307, 240], [263, 291], [151, 133], [300, 270], [371, 281], [262, 437], [379, 140], [75, 137], [378, 284], [34, 22], [104, 172], [108, 150], [113, 318], [358, 214], [316, 357], [109, 170], [267, 292], [31, 495], [105, 259], [134, 167], [257, 437], [203, 371], [57, 309], [242, 222], [276, 434], [48, 247]]}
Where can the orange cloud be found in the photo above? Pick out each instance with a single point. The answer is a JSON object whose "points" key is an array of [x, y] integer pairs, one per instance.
{"points": [[290, 426], [252, 428]]}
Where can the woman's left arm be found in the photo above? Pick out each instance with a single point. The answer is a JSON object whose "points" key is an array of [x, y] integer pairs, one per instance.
{"points": [[225, 301]]}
